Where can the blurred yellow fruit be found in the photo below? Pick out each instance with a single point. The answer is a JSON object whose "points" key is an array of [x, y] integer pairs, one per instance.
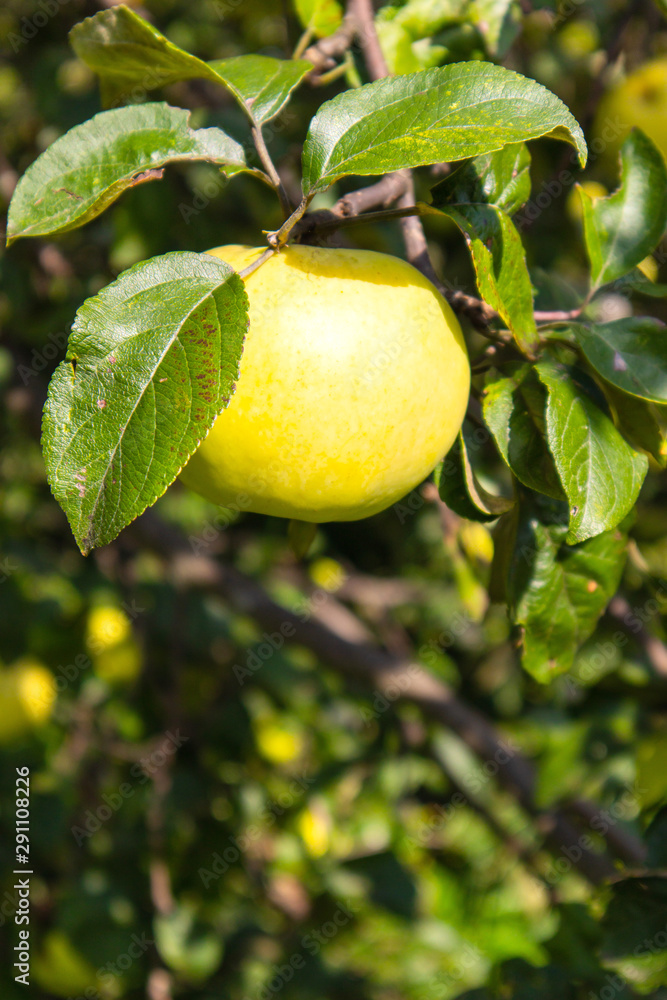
{"points": [[327, 574], [476, 541], [354, 382], [60, 969], [277, 743], [638, 100], [27, 694], [107, 626], [116, 654], [314, 830], [578, 38]]}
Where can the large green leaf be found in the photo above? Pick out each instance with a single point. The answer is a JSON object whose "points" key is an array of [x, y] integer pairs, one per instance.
{"points": [[86, 169], [151, 361], [132, 57], [599, 471], [631, 353], [448, 113], [557, 592], [514, 411], [623, 228], [459, 488]]}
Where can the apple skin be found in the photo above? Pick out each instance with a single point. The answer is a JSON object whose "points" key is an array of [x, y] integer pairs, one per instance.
{"points": [[354, 383], [639, 100]]}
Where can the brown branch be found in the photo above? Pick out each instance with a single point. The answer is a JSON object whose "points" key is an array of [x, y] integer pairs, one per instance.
{"points": [[363, 15], [323, 54], [394, 679]]}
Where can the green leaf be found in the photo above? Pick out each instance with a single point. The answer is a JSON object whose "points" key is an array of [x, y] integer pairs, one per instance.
{"points": [[188, 945], [644, 424], [599, 471], [448, 113], [514, 411], [86, 169], [477, 197], [637, 282], [623, 228], [261, 85], [500, 267], [322, 17], [557, 592], [459, 488], [130, 55], [501, 178], [151, 361], [631, 353], [635, 917]]}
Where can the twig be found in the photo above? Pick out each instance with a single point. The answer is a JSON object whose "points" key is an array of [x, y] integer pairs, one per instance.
{"points": [[269, 252], [397, 679], [267, 163], [363, 15], [324, 53], [381, 194]]}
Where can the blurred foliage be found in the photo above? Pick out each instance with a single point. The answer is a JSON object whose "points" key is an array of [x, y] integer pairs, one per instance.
{"points": [[212, 801]]}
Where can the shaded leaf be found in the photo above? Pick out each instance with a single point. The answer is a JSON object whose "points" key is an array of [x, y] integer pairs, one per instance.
{"points": [[634, 923], [448, 113], [599, 472], [514, 411], [557, 591], [631, 353], [129, 54], [460, 489], [637, 282], [656, 840], [623, 228], [151, 361], [498, 22], [477, 197], [501, 178], [644, 424], [86, 169]]}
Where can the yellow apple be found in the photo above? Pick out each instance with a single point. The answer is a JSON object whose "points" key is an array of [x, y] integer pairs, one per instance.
{"points": [[638, 100], [27, 694], [116, 654], [354, 383]]}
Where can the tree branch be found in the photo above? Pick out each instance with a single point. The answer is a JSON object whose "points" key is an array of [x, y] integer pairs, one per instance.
{"points": [[394, 679]]}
